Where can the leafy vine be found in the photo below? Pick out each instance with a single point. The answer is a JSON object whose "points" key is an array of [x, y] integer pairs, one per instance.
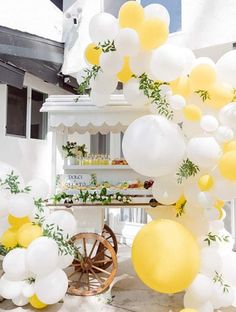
{"points": [[186, 170]]}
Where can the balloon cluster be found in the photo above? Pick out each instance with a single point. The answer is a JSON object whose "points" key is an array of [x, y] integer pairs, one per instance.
{"points": [[187, 143], [33, 242]]}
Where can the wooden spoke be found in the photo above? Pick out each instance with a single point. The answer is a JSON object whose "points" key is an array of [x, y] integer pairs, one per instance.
{"points": [[94, 245], [101, 270], [102, 261], [84, 244], [96, 276]]}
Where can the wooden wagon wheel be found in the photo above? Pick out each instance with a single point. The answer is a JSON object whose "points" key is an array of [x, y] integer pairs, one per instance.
{"points": [[87, 277], [109, 235]]}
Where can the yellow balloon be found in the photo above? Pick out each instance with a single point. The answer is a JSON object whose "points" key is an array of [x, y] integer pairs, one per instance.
{"points": [[36, 303], [181, 86], [165, 256], [92, 54], [153, 33], [188, 310], [125, 74], [192, 112], [229, 146], [9, 239], [220, 95], [131, 15], [17, 222], [205, 183], [202, 76], [27, 233], [227, 165]]}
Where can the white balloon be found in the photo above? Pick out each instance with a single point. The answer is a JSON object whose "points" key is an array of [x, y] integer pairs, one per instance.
{"points": [[140, 63], [15, 270], [210, 261], [20, 301], [104, 84], [162, 147], [166, 191], [156, 10], [21, 205], [224, 189], [111, 62], [205, 307], [28, 290], [39, 188], [211, 214], [103, 27], [229, 267], [133, 94], [190, 301], [4, 225], [209, 123], [205, 199], [51, 288], [3, 205], [64, 220], [127, 42], [10, 289], [227, 115], [189, 60], [98, 99], [167, 63], [65, 261], [191, 192], [224, 134], [201, 288], [203, 151], [204, 60], [46, 250], [226, 68], [177, 102]]}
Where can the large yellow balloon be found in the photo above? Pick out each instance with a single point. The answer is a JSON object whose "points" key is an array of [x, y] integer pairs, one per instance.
{"points": [[36, 303], [16, 223], [220, 95], [27, 233], [125, 74], [202, 76], [153, 33], [92, 54], [165, 256], [227, 165], [205, 183], [9, 239], [181, 86], [131, 15], [192, 112]]}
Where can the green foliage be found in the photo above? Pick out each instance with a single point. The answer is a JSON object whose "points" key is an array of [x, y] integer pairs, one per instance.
{"points": [[204, 94], [3, 250], [12, 184], [218, 278], [152, 91], [214, 237], [106, 46], [84, 87], [186, 170]]}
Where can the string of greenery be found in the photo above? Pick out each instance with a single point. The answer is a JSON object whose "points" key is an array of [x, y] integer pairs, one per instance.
{"points": [[106, 46], [84, 86], [204, 94], [214, 238], [12, 184], [186, 170], [218, 278]]}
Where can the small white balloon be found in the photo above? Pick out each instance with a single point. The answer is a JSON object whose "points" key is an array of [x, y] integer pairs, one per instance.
{"points": [[224, 134], [177, 102], [166, 191], [111, 62], [15, 270], [201, 288], [210, 261], [133, 94], [39, 188], [204, 151], [227, 115], [46, 250], [209, 123], [28, 290], [98, 99], [21, 205], [226, 68], [20, 301], [10, 289], [51, 288], [140, 63], [103, 27], [104, 84], [156, 10], [127, 42]]}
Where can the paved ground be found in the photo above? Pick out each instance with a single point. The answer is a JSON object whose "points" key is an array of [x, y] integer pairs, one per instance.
{"points": [[129, 294]]}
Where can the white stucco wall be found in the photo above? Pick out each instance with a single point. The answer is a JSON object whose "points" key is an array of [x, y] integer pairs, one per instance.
{"points": [[30, 156]]}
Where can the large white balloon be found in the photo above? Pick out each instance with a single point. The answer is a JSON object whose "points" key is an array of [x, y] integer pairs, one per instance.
{"points": [[64, 220], [10, 289], [140, 63], [103, 27], [111, 62], [104, 84], [210, 261], [167, 63], [226, 68], [156, 10], [166, 191], [227, 115], [46, 250], [201, 288], [14, 264], [39, 188], [51, 288], [203, 151], [21, 205], [133, 94], [153, 146], [127, 42]]}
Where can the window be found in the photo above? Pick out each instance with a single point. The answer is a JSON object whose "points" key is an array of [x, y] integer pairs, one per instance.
{"points": [[100, 144], [16, 111], [23, 113], [38, 120]]}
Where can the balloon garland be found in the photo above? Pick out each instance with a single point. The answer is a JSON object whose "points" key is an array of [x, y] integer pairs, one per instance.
{"points": [[34, 243], [187, 144]]}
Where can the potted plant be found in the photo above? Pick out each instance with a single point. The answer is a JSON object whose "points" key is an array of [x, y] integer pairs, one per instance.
{"points": [[69, 150]]}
